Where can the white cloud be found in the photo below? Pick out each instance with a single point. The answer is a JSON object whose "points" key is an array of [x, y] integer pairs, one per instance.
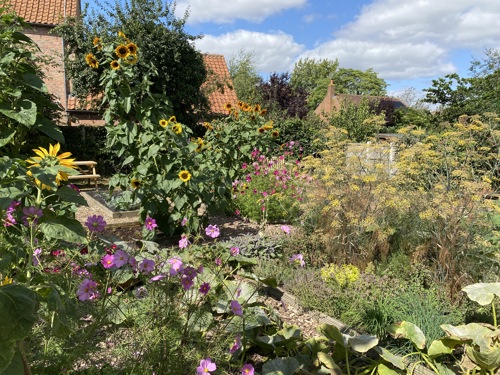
{"points": [[273, 52], [224, 11]]}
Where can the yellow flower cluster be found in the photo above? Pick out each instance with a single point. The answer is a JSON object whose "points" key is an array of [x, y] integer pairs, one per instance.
{"points": [[341, 275], [126, 52], [6, 281]]}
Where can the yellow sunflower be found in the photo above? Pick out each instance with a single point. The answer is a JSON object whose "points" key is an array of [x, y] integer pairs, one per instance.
{"points": [[275, 133], [97, 43], [135, 183], [177, 128], [91, 60], [184, 175], [246, 107], [228, 107], [163, 123], [50, 158], [240, 104], [261, 130], [121, 34], [263, 112], [256, 108], [208, 126], [115, 65], [200, 144], [121, 51], [172, 120], [132, 48]]}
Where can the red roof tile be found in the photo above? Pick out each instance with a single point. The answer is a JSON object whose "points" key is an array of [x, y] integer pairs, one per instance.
{"points": [[223, 92], [48, 12]]}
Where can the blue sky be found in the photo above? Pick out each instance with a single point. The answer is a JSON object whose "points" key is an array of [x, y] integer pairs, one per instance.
{"points": [[407, 42]]}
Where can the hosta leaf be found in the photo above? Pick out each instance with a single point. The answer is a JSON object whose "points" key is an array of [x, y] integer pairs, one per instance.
{"points": [[482, 293], [281, 366], [408, 331], [363, 343]]}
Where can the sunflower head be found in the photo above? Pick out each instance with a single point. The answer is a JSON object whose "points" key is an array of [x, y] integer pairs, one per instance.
{"points": [[256, 108], [97, 43], [121, 51], [228, 107], [91, 60], [177, 128], [135, 183], [184, 175], [132, 48], [240, 104], [261, 130], [275, 133], [263, 112], [163, 123], [246, 107], [172, 120], [50, 159], [115, 65]]}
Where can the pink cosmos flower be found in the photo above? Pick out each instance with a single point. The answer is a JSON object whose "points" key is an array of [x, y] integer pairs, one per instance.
{"points": [[236, 344], [95, 223], [297, 259], [176, 263], [183, 242], [120, 258], [204, 288], [184, 222], [236, 308], [108, 261], [237, 212], [146, 266], [286, 229], [36, 254], [150, 223], [206, 367], [212, 231], [234, 251], [157, 278], [87, 290], [9, 220], [247, 369]]}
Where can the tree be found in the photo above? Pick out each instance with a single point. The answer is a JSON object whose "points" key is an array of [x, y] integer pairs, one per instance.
{"points": [[244, 75], [357, 82], [180, 70]]}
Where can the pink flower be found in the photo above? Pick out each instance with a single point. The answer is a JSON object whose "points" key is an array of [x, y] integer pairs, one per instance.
{"points": [[236, 344], [150, 223], [204, 288], [87, 290], [183, 242], [9, 220], [176, 263], [95, 223], [206, 367], [133, 263], [186, 282], [212, 231], [237, 212], [244, 166], [234, 251], [108, 261], [286, 229], [184, 222], [120, 258], [297, 259], [146, 266], [218, 261], [236, 308], [36, 253], [247, 369]]}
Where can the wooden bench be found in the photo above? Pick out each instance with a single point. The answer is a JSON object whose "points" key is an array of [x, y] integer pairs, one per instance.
{"points": [[87, 171]]}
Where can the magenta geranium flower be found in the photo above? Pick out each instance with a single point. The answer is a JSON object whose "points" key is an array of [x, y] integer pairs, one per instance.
{"points": [[234, 251], [212, 231], [247, 369], [236, 308], [236, 344], [183, 242], [87, 290], [147, 265], [95, 223], [108, 261], [204, 288], [120, 258], [150, 223], [206, 367]]}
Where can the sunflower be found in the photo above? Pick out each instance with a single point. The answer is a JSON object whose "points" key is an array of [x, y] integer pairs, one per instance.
{"points": [[185, 176], [177, 128], [256, 108], [163, 123], [200, 144], [97, 43], [172, 120], [208, 126], [131, 59], [246, 107], [228, 107], [261, 130], [135, 183], [47, 159], [275, 133], [115, 65], [240, 104], [91, 60], [121, 51], [263, 112], [132, 48], [121, 34]]}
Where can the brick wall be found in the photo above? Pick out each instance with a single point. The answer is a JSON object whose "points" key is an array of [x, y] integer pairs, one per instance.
{"points": [[51, 46]]}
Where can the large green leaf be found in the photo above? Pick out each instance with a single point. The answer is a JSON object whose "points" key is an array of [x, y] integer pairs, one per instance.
{"points": [[7, 350], [483, 293], [18, 307], [408, 331], [443, 346], [475, 333], [363, 343], [332, 333], [327, 360], [34, 81], [61, 228], [281, 366], [384, 370], [25, 114], [68, 194], [393, 359], [487, 360], [49, 128], [6, 138]]}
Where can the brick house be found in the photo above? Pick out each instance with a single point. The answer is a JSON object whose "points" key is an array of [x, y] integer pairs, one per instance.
{"points": [[43, 15]]}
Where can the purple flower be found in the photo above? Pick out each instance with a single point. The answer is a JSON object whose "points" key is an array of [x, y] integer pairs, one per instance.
{"points": [[206, 367], [204, 288], [190, 272], [9, 220], [183, 242], [186, 282], [236, 344], [95, 223], [108, 261], [133, 263], [234, 251], [212, 231], [146, 266], [286, 229], [184, 222], [297, 259], [120, 258], [87, 290], [31, 213], [247, 369], [12, 206], [218, 261], [36, 253], [176, 263], [74, 187], [150, 223], [236, 308]]}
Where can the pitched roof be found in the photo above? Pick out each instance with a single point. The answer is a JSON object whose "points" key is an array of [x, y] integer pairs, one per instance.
{"points": [[45, 12], [221, 90]]}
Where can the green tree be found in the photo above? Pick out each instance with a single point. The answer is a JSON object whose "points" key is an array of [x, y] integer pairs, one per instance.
{"points": [[152, 23], [27, 110], [358, 82], [243, 71]]}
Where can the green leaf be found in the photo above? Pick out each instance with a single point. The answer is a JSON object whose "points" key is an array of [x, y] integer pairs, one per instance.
{"points": [[487, 360], [25, 113], [363, 343], [384, 370], [327, 360], [479, 334], [200, 321], [280, 366], [393, 359], [483, 293], [153, 150], [269, 281], [7, 138], [8, 194], [442, 347], [18, 306], [408, 331], [62, 228], [7, 350], [35, 82], [68, 194], [332, 333], [16, 366], [49, 128], [127, 105], [128, 160]]}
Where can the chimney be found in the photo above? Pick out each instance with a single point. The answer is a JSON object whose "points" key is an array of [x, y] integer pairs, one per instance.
{"points": [[329, 96]]}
